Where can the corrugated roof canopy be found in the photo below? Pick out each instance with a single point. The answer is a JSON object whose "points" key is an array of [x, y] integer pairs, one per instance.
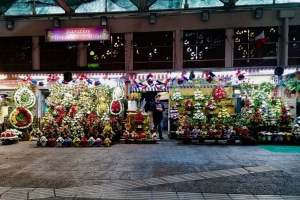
{"points": [[40, 7]]}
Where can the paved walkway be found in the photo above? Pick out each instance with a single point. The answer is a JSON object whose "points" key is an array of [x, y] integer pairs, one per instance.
{"points": [[167, 170]]}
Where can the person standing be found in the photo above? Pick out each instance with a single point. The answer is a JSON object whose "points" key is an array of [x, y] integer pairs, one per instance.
{"points": [[157, 107]]}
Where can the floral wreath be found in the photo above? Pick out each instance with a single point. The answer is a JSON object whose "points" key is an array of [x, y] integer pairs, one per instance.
{"points": [[24, 97], [111, 109], [21, 118], [102, 108], [118, 93]]}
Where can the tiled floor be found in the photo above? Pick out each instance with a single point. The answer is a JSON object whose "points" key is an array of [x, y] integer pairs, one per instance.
{"points": [[167, 170]]}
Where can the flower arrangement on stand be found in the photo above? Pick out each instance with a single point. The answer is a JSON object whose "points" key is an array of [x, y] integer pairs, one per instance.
{"points": [[177, 96], [257, 119], [199, 116], [108, 132], [139, 119], [219, 93], [21, 118], [270, 119], [189, 106], [285, 118], [198, 95], [223, 113]]}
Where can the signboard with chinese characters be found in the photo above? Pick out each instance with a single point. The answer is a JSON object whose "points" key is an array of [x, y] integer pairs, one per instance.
{"points": [[77, 34]]}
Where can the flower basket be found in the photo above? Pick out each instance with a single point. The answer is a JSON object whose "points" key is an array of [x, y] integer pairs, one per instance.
{"points": [[275, 137], [52, 142], [98, 142], [84, 142], [126, 137], [268, 137], [68, 142], [34, 143], [288, 137], [59, 144], [210, 134], [44, 143]]}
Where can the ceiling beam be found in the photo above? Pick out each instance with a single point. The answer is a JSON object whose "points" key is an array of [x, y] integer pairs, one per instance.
{"points": [[64, 6]]}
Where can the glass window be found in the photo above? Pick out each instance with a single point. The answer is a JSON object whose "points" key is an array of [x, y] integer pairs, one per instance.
{"points": [[253, 2], [107, 55], [153, 50], [204, 3], [204, 48], [58, 56], [15, 54], [294, 45], [246, 53]]}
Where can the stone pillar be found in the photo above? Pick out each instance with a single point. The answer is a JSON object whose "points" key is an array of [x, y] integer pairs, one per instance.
{"points": [[81, 55], [128, 51], [35, 53], [177, 52], [229, 46], [285, 44]]}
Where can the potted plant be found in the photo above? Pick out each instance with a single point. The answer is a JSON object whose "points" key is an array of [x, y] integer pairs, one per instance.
{"points": [[43, 141], [134, 135], [60, 140], [288, 136], [52, 141], [281, 136], [68, 142], [268, 136], [179, 132], [98, 142], [91, 141], [139, 119], [189, 106], [84, 142], [275, 136], [244, 131], [35, 134], [76, 142], [262, 136], [107, 142], [195, 132], [211, 106], [126, 135]]}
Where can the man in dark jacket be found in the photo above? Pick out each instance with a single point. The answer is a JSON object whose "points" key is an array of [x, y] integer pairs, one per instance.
{"points": [[157, 108]]}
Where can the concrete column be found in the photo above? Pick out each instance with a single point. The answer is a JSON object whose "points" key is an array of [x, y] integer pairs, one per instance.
{"points": [[229, 48], [81, 55], [128, 51], [35, 53], [177, 54], [285, 37]]}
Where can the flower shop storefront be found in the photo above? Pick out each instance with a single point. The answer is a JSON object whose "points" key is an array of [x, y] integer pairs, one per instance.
{"points": [[94, 109], [239, 106]]}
